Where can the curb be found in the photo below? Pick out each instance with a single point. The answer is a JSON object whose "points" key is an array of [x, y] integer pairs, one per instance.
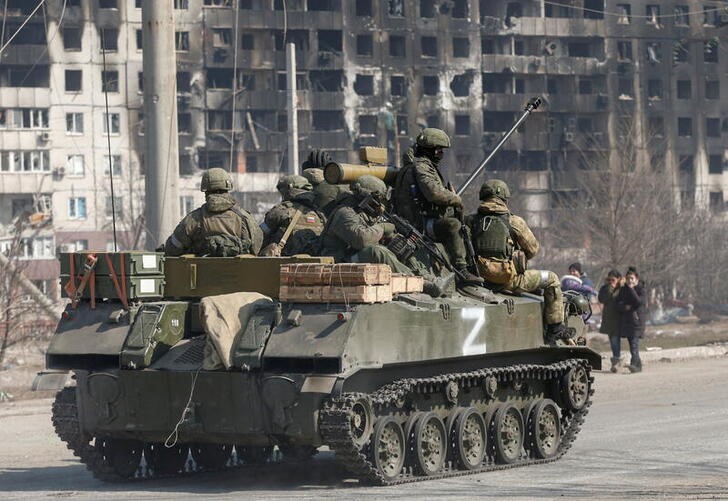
{"points": [[675, 354]]}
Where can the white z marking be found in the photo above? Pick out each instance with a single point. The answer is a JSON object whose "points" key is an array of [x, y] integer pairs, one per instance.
{"points": [[477, 314]]}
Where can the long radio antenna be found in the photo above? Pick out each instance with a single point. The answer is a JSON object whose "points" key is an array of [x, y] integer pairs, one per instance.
{"points": [[105, 86]]}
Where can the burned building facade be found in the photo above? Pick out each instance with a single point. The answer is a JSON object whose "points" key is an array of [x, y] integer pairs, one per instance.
{"points": [[369, 72]]}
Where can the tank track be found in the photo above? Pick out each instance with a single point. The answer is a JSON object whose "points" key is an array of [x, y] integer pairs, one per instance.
{"points": [[335, 418]]}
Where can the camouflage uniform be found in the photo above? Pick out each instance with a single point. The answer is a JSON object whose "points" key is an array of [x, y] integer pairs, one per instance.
{"points": [[304, 237], [352, 235], [220, 227], [524, 239], [421, 196], [326, 194]]}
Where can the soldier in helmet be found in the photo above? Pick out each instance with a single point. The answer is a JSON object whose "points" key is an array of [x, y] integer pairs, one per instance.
{"points": [[326, 194], [354, 235], [297, 215], [503, 242], [220, 227], [422, 197]]}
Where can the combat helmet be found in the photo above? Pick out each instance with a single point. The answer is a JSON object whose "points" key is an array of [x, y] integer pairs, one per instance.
{"points": [[293, 185], [366, 186], [495, 188], [433, 138], [315, 176], [216, 179]]}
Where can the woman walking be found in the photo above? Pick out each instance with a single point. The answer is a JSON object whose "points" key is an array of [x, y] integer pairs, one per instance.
{"points": [[610, 316], [630, 303]]}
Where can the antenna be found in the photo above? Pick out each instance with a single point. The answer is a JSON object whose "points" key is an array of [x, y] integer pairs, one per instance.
{"points": [[105, 86]]}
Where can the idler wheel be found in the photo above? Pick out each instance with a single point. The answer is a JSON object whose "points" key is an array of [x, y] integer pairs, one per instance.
{"points": [[468, 439], [254, 454], [388, 447], [574, 386], [507, 434], [361, 422], [166, 460], [121, 456], [430, 444], [211, 456], [544, 426]]}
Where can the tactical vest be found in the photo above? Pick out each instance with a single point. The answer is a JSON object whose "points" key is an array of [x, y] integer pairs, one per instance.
{"points": [[223, 234], [492, 236], [306, 233]]}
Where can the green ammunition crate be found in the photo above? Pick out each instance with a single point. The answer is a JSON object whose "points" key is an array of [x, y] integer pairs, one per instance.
{"points": [[192, 277], [135, 262], [137, 287]]}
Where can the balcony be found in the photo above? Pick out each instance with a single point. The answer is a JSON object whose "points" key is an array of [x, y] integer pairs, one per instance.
{"points": [[545, 26], [552, 65]]}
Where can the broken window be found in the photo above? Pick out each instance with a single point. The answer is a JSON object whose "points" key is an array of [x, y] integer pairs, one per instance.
{"points": [[624, 88], [364, 85], [513, 10], [710, 50], [681, 15], [367, 124], [433, 121], [246, 81], [717, 204], [329, 40], [247, 42], [712, 127], [112, 122], [487, 45], [654, 89], [429, 46], [684, 89], [363, 8], [715, 164], [364, 45], [326, 80], [397, 46], [427, 8], [219, 120], [430, 85], [497, 121], [183, 81], [519, 86], [184, 123], [585, 124], [402, 125], [109, 81], [73, 81], [221, 37], [680, 51], [71, 39], [585, 86], [138, 36], [652, 12], [181, 4], [624, 50], [297, 37], [519, 47], [107, 4], [460, 85], [624, 11], [327, 120], [398, 86], [322, 5], [460, 9], [712, 89], [220, 78], [684, 126], [579, 49], [654, 52], [395, 8], [462, 125], [140, 81], [495, 83], [109, 39], [182, 40], [460, 47], [656, 127], [710, 15]]}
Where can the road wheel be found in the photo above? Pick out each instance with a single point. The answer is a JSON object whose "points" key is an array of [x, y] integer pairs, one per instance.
{"points": [[121, 456], [469, 439], [361, 422], [574, 386], [388, 447], [166, 460], [544, 430], [507, 434], [430, 444]]}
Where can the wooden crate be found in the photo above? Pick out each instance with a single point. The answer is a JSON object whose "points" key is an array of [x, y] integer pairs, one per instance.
{"points": [[332, 294], [403, 284], [343, 274]]}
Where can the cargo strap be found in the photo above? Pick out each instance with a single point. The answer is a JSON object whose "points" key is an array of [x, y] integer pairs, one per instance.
{"points": [[120, 289], [88, 273], [291, 226]]}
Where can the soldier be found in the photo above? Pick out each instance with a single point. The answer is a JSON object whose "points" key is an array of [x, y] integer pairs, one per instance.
{"points": [[499, 238], [294, 225], [326, 195], [220, 227], [421, 197], [353, 235]]}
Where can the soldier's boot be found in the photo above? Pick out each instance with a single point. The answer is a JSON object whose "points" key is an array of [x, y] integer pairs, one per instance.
{"points": [[467, 278], [616, 362], [560, 332], [439, 286]]}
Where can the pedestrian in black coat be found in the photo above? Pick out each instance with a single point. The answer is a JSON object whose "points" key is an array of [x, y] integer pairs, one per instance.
{"points": [[631, 304]]}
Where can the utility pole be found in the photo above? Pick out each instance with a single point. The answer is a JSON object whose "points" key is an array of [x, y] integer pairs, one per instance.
{"points": [[161, 158], [292, 108]]}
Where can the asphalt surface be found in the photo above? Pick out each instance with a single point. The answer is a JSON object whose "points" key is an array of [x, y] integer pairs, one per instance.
{"points": [[661, 434]]}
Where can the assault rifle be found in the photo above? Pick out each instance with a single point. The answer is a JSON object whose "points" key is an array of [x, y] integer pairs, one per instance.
{"points": [[416, 238]]}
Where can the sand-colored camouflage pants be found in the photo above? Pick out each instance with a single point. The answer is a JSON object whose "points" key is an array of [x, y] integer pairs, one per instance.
{"points": [[532, 280]]}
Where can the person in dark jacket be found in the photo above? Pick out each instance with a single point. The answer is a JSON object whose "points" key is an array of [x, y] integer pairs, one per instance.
{"points": [[630, 303], [610, 316]]}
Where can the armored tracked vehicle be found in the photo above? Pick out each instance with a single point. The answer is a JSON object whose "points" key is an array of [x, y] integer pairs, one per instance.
{"points": [[402, 386]]}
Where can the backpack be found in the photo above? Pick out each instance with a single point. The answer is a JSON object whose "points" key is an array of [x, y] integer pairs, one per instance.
{"points": [[492, 236]]}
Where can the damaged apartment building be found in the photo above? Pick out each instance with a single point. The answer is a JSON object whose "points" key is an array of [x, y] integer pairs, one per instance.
{"points": [[369, 72]]}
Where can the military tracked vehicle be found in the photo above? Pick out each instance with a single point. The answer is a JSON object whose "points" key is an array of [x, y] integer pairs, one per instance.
{"points": [[403, 387]]}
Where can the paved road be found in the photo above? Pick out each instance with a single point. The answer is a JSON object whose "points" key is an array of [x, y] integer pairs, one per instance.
{"points": [[659, 434]]}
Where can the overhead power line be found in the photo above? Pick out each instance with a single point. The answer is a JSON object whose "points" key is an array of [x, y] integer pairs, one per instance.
{"points": [[27, 20]]}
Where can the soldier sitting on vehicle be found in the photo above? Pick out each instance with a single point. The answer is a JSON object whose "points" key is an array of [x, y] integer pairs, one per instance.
{"points": [[294, 225], [421, 196], [219, 227], [503, 243], [326, 194]]}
